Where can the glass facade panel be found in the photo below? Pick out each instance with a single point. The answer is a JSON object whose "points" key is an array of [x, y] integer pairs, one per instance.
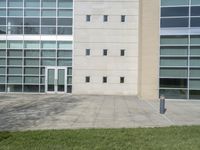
{"points": [[3, 44], [32, 12], [65, 22], [15, 21], [64, 62], [48, 30], [15, 44], [15, 30], [195, 62], [62, 53], [195, 72], [174, 40], [48, 3], [31, 53], [31, 30], [48, 62], [175, 11], [31, 62], [2, 70], [174, 94], [49, 44], [33, 80], [31, 71], [15, 12], [65, 45], [31, 88], [14, 53], [195, 94], [14, 88], [64, 30], [2, 79], [195, 40], [173, 72], [31, 21], [2, 52], [174, 2], [194, 84], [2, 61], [2, 12], [32, 3], [15, 3], [174, 22], [2, 3], [65, 13], [173, 50], [49, 13], [32, 44], [195, 2], [15, 61], [48, 53], [2, 87], [14, 79], [65, 3], [14, 70], [173, 83], [174, 62], [3, 30], [194, 51]]}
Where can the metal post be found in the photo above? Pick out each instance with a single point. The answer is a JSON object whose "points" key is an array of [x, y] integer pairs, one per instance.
{"points": [[162, 105]]}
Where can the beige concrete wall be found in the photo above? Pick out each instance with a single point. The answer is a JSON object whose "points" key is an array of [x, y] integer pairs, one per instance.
{"points": [[112, 35], [149, 49]]}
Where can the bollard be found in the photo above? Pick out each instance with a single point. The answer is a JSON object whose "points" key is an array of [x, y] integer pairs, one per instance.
{"points": [[162, 105]]}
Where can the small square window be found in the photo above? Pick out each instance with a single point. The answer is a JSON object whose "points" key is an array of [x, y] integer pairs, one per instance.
{"points": [[105, 80], [87, 79], [123, 18], [122, 79], [105, 18], [87, 52], [105, 52], [122, 52], [88, 18]]}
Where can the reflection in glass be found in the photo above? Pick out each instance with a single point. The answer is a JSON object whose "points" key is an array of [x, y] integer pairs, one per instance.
{"points": [[15, 21], [65, 21], [31, 21], [64, 30], [48, 30], [2, 29], [31, 30]]}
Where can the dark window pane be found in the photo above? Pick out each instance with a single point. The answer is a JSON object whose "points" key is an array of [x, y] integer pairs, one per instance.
{"points": [[15, 21], [194, 94], [31, 30], [2, 30], [2, 21], [31, 21], [48, 30], [65, 22], [48, 21], [31, 88], [15, 30], [174, 22], [14, 88], [2, 88], [195, 22], [175, 11], [64, 30], [173, 83], [174, 94], [195, 11]]}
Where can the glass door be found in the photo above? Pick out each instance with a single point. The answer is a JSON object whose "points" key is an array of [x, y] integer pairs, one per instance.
{"points": [[56, 79]]}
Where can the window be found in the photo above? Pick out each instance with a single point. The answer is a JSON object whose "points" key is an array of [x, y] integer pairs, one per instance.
{"points": [[122, 53], [123, 18], [122, 79], [87, 79], [105, 18], [105, 52], [105, 80], [88, 18], [87, 52]]}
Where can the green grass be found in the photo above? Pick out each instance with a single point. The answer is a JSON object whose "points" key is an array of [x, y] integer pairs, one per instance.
{"points": [[169, 138]]}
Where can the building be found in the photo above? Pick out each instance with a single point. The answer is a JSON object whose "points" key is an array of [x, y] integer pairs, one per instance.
{"points": [[111, 47]]}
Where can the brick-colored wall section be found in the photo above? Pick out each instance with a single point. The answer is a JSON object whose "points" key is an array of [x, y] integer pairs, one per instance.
{"points": [[149, 38]]}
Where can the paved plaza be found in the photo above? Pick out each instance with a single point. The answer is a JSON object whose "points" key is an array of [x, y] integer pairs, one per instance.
{"points": [[33, 112]]}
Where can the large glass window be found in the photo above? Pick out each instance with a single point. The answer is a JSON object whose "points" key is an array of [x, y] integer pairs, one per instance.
{"points": [[48, 3], [65, 3], [65, 13], [174, 11], [15, 12], [49, 13], [174, 2], [15, 21], [2, 3], [32, 12], [32, 3], [174, 22], [15, 3]]}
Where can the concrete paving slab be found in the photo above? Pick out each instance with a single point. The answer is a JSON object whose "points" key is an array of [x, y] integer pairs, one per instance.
{"points": [[33, 112]]}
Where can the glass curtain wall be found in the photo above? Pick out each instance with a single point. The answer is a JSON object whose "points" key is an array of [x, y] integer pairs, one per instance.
{"points": [[180, 51], [22, 64], [48, 17]]}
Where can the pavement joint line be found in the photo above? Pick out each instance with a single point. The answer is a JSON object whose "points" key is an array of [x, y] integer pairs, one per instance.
{"points": [[164, 116]]}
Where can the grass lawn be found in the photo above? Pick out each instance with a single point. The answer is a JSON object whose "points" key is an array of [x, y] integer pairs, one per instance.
{"points": [[169, 138]]}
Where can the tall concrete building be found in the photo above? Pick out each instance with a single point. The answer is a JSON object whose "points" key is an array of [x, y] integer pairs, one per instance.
{"points": [[145, 48]]}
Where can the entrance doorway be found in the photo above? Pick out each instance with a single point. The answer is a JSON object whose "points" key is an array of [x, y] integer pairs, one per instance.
{"points": [[56, 80]]}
